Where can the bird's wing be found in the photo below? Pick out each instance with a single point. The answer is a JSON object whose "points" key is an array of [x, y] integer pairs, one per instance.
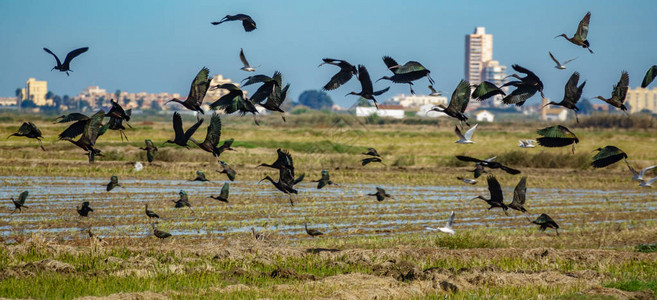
{"points": [[495, 189], [262, 93], [571, 94], [486, 90], [379, 92], [339, 79], [468, 134], [94, 128], [411, 66], [643, 171], [520, 95], [224, 191], [256, 79], [520, 69], [22, 197], [520, 192], [458, 133], [569, 60], [364, 78], [230, 102], [71, 55], [620, 89], [243, 58], [24, 129], [199, 87], [583, 27], [634, 173], [73, 130], [214, 131], [53, 54], [651, 180], [391, 64], [460, 97], [607, 156], [467, 158], [450, 222], [178, 126], [368, 160], [556, 131], [650, 76], [554, 59], [191, 130], [248, 24]]}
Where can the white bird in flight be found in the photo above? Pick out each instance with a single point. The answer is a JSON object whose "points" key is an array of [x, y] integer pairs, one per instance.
{"points": [[526, 144], [246, 67], [434, 93], [465, 138], [560, 66], [138, 166], [638, 176], [467, 180], [448, 226]]}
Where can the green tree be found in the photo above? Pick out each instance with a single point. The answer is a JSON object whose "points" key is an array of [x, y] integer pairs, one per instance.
{"points": [[155, 105], [363, 102], [315, 99], [19, 93], [27, 103], [585, 107], [117, 95], [50, 95]]}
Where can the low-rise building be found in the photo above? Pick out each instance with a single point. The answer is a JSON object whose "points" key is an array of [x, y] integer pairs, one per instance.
{"points": [[392, 111], [8, 101], [556, 114], [484, 116], [640, 99], [415, 101]]}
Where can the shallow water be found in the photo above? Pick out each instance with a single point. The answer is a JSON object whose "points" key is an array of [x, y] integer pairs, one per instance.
{"points": [[339, 210]]}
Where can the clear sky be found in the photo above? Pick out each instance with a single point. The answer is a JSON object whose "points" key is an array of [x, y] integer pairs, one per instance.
{"points": [[160, 45]]}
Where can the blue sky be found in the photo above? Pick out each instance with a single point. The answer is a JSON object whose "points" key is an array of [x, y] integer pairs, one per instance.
{"points": [[160, 45]]}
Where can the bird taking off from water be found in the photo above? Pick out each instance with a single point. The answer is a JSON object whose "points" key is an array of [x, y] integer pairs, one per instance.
{"points": [[248, 23], [467, 137], [579, 38], [223, 196], [29, 130], [247, 67], [560, 66], [65, 67], [20, 202], [448, 226], [496, 195], [546, 222]]}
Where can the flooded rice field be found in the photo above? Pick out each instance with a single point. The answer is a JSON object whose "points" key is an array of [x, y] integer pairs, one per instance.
{"points": [[337, 210]]}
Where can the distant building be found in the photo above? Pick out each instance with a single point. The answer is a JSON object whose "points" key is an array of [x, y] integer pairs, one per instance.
{"points": [[496, 74], [36, 91], [478, 50], [639, 99], [393, 111], [484, 116], [214, 94], [8, 101], [415, 101], [556, 114], [141, 100]]}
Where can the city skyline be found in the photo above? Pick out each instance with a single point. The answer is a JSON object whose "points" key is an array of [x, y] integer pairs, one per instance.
{"points": [[159, 46]]}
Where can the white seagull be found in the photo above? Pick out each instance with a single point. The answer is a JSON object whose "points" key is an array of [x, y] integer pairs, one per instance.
{"points": [[467, 180], [246, 67], [639, 176], [647, 183], [138, 166], [447, 228], [560, 66], [526, 144], [434, 93], [465, 138]]}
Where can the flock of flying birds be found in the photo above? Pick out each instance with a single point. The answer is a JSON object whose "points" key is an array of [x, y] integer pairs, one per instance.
{"points": [[271, 94]]}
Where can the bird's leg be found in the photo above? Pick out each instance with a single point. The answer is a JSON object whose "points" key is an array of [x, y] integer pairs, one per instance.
{"points": [[283, 116], [573, 149], [376, 104], [590, 50], [576, 118], [41, 144], [291, 202], [255, 120], [557, 230], [410, 85]]}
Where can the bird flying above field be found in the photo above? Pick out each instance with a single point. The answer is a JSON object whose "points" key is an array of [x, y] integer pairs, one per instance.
{"points": [[496, 195], [619, 93], [467, 137], [579, 38], [557, 136], [407, 73], [572, 93], [607, 156], [247, 22], [347, 71], [29, 130], [66, 65], [560, 66], [638, 176], [448, 226]]}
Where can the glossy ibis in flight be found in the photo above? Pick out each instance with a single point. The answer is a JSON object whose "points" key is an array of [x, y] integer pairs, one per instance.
{"points": [[84, 210], [324, 180], [619, 93], [29, 130], [71, 117], [223, 196], [525, 88], [114, 182], [182, 201], [557, 136], [211, 137], [234, 101], [347, 70], [381, 194], [572, 93], [66, 66], [20, 202], [496, 195], [366, 88], [407, 73], [182, 137], [607, 156], [519, 196], [457, 104], [228, 170], [371, 152], [89, 130], [150, 150], [247, 22], [489, 163], [579, 38], [200, 177], [197, 92], [546, 222]]}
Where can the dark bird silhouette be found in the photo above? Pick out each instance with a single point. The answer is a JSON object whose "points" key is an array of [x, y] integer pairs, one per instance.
{"points": [[479, 169], [525, 88], [546, 222], [347, 71], [649, 77], [234, 101], [324, 180], [267, 87], [579, 38], [212, 137], [197, 92], [275, 100], [457, 104], [283, 161], [223, 196], [496, 195], [486, 90], [84, 209], [368, 160], [71, 117], [286, 182], [117, 115], [247, 67], [66, 66], [407, 73], [557, 136], [372, 152], [114, 182], [150, 150], [159, 233], [366, 88], [89, 130], [572, 93], [29, 130], [183, 201], [519, 196], [226, 146], [228, 170], [381, 194], [257, 236], [200, 177], [312, 232], [151, 214], [619, 93], [489, 163], [607, 156], [182, 137], [247, 22], [19, 203]]}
